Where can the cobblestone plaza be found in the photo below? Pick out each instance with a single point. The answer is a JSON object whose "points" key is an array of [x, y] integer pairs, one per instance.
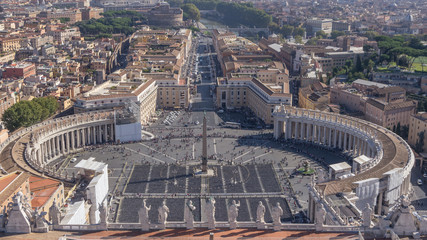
{"points": [[249, 167]]}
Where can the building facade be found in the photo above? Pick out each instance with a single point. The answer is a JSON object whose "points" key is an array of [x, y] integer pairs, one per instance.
{"points": [[261, 98]]}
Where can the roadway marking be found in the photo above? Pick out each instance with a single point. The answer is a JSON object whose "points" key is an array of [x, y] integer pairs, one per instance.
{"points": [[248, 152], [214, 146], [256, 157], [145, 155], [193, 151], [157, 151]]}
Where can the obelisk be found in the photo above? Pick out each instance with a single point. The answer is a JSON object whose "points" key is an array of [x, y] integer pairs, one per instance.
{"points": [[205, 148]]}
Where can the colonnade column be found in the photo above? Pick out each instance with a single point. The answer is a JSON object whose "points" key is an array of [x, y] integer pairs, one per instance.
{"points": [[276, 129], [335, 138], [72, 140], [359, 144], [44, 151], [302, 131], [84, 138], [105, 132], [330, 137], [39, 157], [339, 140], [307, 131], [113, 134], [345, 141], [93, 134], [67, 142], [99, 134], [324, 135], [52, 144], [78, 132], [49, 148], [58, 147]]}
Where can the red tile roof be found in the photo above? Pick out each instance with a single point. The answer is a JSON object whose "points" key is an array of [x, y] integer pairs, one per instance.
{"points": [[42, 189]]}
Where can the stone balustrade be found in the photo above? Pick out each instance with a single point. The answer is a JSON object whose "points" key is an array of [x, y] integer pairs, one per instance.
{"points": [[219, 224]]}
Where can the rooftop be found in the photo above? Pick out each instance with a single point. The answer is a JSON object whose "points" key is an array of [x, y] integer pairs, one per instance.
{"points": [[340, 166], [370, 83], [90, 164], [42, 189], [10, 182]]}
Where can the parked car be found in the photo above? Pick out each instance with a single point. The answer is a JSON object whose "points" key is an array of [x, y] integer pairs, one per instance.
{"points": [[419, 182]]}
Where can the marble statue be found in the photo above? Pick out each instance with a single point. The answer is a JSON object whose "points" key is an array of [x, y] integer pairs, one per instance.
{"points": [[54, 214], [233, 212], [3, 218], [188, 214], [163, 214], [102, 213], [367, 215], [143, 216], [18, 219], [276, 214], [210, 213], [260, 212], [40, 224], [320, 216]]}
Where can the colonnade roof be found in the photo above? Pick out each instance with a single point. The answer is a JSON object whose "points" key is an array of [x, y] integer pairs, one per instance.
{"points": [[395, 155]]}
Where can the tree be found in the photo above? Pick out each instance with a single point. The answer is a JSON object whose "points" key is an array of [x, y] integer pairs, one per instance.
{"points": [[358, 67], [420, 106], [415, 43], [384, 58], [64, 20], [286, 30], [398, 129], [321, 34], [299, 31], [26, 113], [336, 34], [312, 41], [191, 12], [175, 3], [236, 14], [298, 39], [367, 48], [419, 144], [405, 132], [403, 61], [371, 35]]}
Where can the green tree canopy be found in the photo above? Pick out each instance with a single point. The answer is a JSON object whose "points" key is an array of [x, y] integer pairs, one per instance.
{"points": [[336, 34], [26, 113], [191, 12], [235, 14], [321, 34], [122, 21]]}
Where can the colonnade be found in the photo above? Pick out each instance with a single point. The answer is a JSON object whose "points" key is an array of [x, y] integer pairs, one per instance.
{"points": [[330, 130], [68, 140], [331, 135]]}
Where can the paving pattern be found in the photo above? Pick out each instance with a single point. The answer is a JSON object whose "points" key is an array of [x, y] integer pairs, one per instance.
{"points": [[249, 165], [177, 184]]}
